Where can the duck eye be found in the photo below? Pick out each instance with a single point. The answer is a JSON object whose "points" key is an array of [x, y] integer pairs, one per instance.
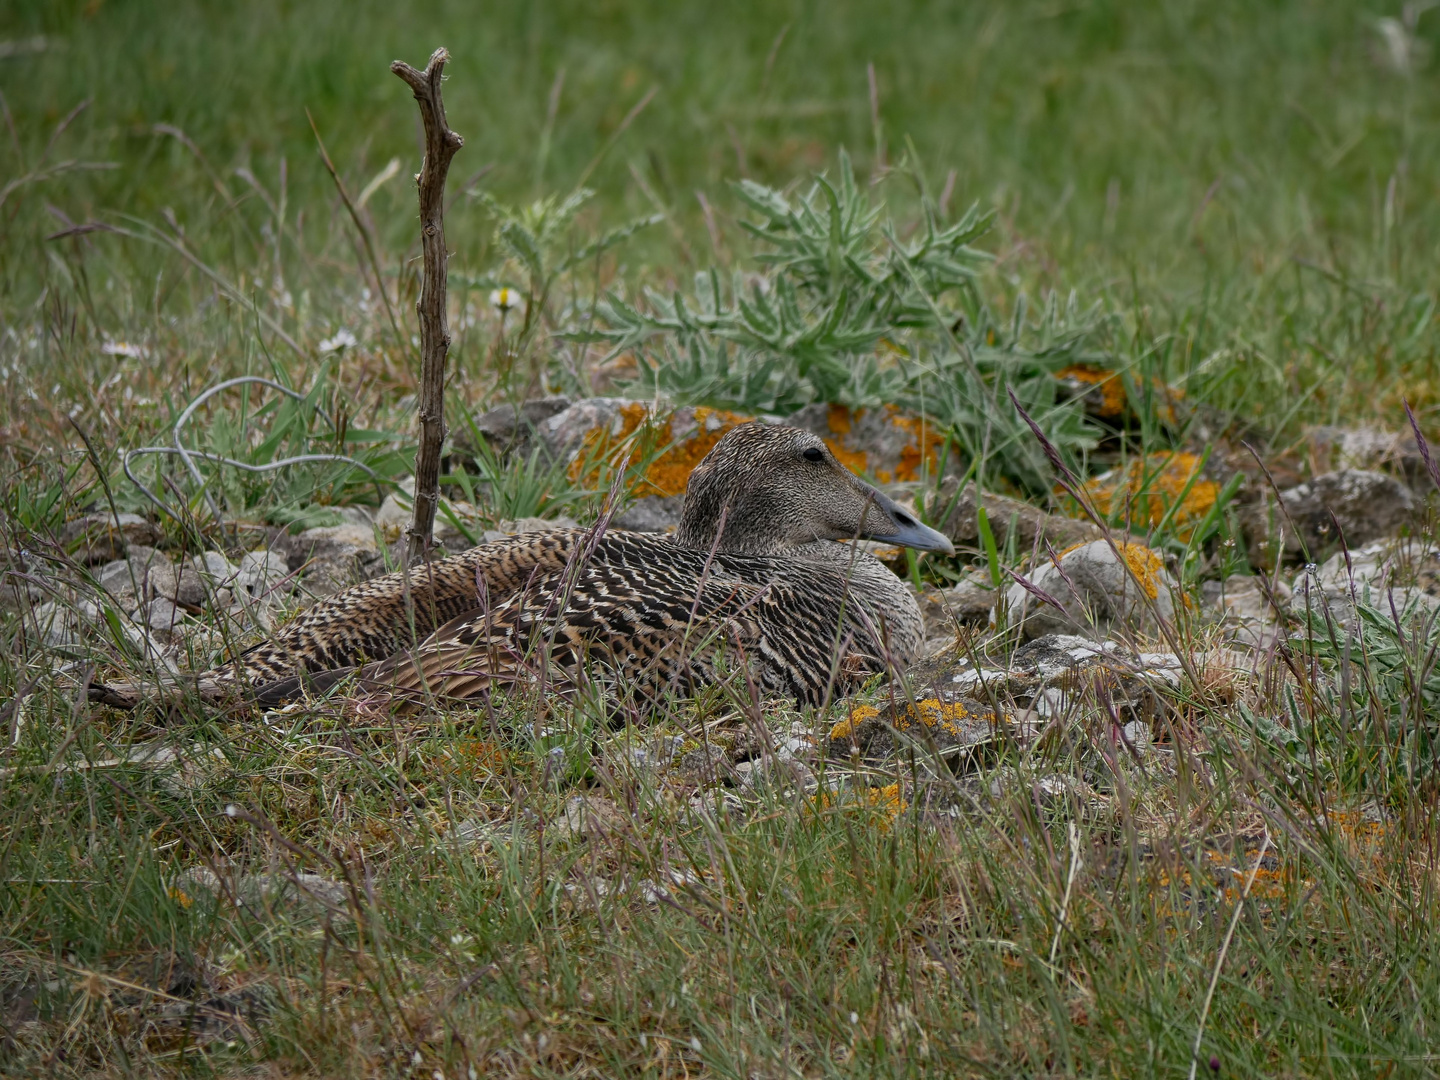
{"points": [[814, 454]]}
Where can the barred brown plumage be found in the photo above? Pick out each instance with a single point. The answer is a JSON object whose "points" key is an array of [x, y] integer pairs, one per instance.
{"points": [[752, 578]]}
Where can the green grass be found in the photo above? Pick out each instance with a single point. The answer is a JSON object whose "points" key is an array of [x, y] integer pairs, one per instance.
{"points": [[1240, 198]]}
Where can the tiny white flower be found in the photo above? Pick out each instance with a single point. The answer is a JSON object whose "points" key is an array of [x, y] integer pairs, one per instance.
{"points": [[505, 299], [122, 348], [854, 1018], [342, 339]]}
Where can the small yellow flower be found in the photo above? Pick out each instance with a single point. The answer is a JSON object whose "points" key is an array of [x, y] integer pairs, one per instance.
{"points": [[505, 300]]}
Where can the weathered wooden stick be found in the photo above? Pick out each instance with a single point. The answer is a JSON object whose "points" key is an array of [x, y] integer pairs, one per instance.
{"points": [[440, 146]]}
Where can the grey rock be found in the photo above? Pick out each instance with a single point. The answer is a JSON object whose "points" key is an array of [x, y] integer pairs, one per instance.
{"points": [[1372, 449], [161, 616], [119, 580], [341, 552], [508, 427], [261, 572], [588, 817], [655, 514], [182, 585], [563, 433], [968, 601], [1366, 505], [100, 538], [214, 565], [1032, 526], [1367, 576], [1245, 613], [266, 895], [1096, 592], [54, 624]]}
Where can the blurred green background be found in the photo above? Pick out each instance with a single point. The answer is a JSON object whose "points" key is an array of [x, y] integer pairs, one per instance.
{"points": [[1256, 178], [1098, 128]]}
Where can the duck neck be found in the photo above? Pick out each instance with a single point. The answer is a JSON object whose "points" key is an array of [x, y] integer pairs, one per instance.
{"points": [[742, 526]]}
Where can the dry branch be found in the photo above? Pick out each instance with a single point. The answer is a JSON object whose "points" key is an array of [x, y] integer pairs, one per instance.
{"points": [[440, 146]]}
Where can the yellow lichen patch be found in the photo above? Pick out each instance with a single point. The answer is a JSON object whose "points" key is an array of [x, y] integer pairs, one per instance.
{"points": [[889, 801], [933, 714], [1146, 488], [847, 727], [838, 419], [638, 432], [181, 897], [1148, 567], [473, 757]]}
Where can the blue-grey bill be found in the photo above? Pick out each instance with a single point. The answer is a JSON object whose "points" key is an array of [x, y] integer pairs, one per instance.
{"points": [[920, 537]]}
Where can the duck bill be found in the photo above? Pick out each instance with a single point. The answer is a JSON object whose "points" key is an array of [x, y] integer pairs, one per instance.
{"points": [[904, 529]]}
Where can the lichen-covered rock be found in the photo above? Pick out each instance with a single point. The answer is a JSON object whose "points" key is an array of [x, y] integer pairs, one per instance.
{"points": [[885, 443], [955, 726], [1146, 489], [968, 713], [1095, 588], [892, 446]]}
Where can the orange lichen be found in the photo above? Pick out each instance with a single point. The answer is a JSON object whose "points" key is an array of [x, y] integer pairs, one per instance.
{"points": [[1105, 394], [1148, 567], [1148, 487], [854, 460], [1111, 403], [473, 757], [639, 432], [923, 453]]}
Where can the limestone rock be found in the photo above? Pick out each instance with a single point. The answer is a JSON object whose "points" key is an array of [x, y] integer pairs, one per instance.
{"points": [[1366, 505], [1098, 588], [332, 557], [1371, 449], [1246, 613], [261, 572], [1395, 578], [886, 443], [508, 428], [967, 601]]}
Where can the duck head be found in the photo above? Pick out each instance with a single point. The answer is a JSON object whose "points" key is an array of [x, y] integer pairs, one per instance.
{"points": [[774, 488]]}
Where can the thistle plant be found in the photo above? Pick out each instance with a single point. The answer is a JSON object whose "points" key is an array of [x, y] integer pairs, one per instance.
{"points": [[845, 309]]}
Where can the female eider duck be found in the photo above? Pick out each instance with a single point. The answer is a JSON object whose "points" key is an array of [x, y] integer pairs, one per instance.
{"points": [[753, 576]]}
